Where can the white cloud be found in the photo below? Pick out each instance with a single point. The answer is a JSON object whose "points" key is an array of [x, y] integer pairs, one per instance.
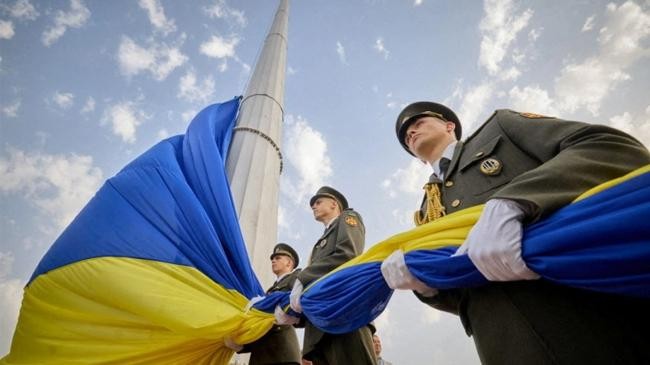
{"points": [[379, 46], [473, 104], [188, 115], [157, 16], [340, 50], [499, 29], [12, 295], [636, 125], [56, 184], [23, 10], [89, 106], [163, 134], [159, 59], [189, 90], [218, 47], [291, 70], [589, 24], [76, 17], [6, 29], [63, 100], [510, 74], [408, 180], [221, 10], [124, 120], [621, 40], [306, 152], [11, 110], [532, 99], [417, 2], [430, 315]]}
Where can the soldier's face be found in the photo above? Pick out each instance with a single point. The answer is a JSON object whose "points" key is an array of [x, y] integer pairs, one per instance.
{"points": [[281, 264], [428, 134], [377, 344], [325, 209]]}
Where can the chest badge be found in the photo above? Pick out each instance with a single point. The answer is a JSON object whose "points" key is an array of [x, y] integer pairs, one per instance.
{"points": [[491, 167], [321, 243], [351, 221]]}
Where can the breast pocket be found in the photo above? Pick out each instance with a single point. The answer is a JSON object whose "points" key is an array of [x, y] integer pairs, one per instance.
{"points": [[486, 169]]}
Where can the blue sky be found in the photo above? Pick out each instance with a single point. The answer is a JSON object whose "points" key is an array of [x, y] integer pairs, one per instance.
{"points": [[86, 86]]}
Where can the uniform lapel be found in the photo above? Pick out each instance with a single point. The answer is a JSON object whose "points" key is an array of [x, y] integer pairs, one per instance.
{"points": [[454, 160]]}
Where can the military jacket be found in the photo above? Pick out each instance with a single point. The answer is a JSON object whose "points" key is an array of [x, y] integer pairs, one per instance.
{"points": [[279, 345], [541, 162], [343, 240]]}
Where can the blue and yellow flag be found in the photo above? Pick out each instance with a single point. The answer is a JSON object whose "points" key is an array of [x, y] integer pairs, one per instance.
{"points": [[153, 270]]}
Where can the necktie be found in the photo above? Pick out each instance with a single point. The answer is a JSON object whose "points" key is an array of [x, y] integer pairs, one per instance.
{"points": [[444, 166]]}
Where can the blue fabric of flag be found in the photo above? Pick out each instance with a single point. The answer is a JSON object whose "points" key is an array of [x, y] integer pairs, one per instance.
{"points": [[600, 243], [171, 204]]}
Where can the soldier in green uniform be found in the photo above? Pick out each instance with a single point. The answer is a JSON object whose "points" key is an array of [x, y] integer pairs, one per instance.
{"points": [[524, 167], [280, 345], [343, 239]]}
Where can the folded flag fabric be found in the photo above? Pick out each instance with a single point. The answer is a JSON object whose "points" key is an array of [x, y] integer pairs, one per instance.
{"points": [[599, 242], [153, 270]]}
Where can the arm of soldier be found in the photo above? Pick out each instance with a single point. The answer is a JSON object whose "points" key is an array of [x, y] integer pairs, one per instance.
{"points": [[575, 157], [350, 242]]}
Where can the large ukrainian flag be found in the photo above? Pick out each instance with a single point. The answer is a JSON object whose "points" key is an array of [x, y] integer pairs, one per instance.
{"points": [[153, 270]]}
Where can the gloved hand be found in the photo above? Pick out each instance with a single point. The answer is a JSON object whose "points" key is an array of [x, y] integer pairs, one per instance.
{"points": [[232, 345], [494, 243], [294, 297], [398, 276], [282, 318]]}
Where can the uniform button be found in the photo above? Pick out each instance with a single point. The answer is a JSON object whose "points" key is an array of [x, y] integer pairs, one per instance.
{"points": [[479, 154], [449, 183], [455, 203]]}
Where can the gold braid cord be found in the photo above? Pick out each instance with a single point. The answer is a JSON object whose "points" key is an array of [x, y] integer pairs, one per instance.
{"points": [[435, 209]]}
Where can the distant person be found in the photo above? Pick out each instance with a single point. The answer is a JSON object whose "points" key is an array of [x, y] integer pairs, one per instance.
{"points": [[343, 239], [280, 344], [376, 341], [523, 167]]}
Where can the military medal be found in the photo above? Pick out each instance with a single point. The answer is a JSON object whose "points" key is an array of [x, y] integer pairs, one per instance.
{"points": [[491, 167]]}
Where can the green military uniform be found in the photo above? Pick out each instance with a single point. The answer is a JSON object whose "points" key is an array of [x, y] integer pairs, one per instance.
{"points": [[343, 240], [543, 163], [280, 344]]}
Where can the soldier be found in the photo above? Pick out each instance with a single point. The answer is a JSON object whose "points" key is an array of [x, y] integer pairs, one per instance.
{"points": [[343, 240], [280, 344], [376, 341], [523, 167]]}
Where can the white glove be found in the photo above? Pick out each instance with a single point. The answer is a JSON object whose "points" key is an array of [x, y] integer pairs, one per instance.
{"points": [[294, 297], [232, 345], [398, 276], [282, 318], [494, 243]]}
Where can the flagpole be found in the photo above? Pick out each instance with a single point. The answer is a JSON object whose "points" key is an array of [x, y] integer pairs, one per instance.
{"points": [[255, 161]]}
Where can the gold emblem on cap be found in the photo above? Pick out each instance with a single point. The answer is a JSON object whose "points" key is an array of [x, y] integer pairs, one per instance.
{"points": [[491, 166], [351, 221]]}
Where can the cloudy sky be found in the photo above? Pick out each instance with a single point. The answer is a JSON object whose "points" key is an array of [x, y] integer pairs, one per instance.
{"points": [[86, 86]]}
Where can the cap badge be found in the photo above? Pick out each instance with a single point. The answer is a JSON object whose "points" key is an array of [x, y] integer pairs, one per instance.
{"points": [[491, 167]]}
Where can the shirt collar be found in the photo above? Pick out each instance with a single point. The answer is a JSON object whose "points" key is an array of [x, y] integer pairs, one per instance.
{"points": [[447, 153]]}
